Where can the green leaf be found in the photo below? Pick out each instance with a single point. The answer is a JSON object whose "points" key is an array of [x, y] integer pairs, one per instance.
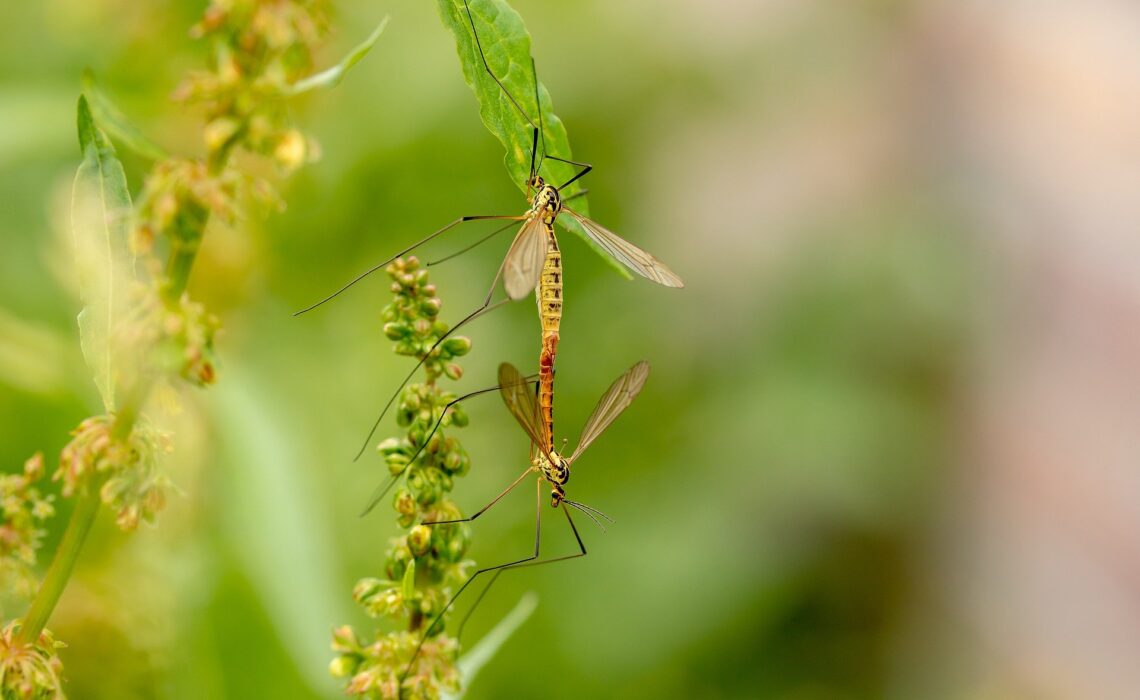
{"points": [[506, 46], [332, 76], [273, 519], [117, 124], [474, 660], [100, 216], [408, 586]]}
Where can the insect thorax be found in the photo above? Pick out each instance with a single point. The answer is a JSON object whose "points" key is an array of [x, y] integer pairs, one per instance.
{"points": [[547, 200], [556, 472]]}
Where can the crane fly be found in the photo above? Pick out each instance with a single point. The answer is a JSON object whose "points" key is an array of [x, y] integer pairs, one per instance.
{"points": [[533, 260], [551, 466]]}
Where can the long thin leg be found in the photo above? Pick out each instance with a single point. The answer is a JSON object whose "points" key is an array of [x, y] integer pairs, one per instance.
{"points": [[581, 553], [374, 268], [439, 618], [585, 168], [490, 72], [580, 193], [482, 594], [439, 421], [487, 507], [479, 242], [380, 491], [484, 307]]}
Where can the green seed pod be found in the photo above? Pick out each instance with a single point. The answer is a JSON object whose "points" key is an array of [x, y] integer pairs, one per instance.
{"points": [[431, 306], [344, 666], [404, 418], [456, 548], [367, 588], [458, 416], [421, 278], [404, 503], [428, 289], [411, 263], [453, 371], [398, 560], [419, 540], [423, 327], [416, 436], [406, 347], [390, 446], [396, 331], [452, 461], [457, 346], [396, 463]]}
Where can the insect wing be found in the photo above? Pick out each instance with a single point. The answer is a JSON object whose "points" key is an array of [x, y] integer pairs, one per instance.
{"points": [[628, 254], [520, 402], [620, 394], [523, 264]]}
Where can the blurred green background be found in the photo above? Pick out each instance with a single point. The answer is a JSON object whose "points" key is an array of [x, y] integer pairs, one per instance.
{"points": [[781, 486]]}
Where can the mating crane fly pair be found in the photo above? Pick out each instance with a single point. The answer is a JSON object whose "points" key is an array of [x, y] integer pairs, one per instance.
{"points": [[533, 262]]}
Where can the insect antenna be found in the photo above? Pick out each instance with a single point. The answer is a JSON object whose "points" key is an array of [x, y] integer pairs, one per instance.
{"points": [[590, 512], [583, 506]]}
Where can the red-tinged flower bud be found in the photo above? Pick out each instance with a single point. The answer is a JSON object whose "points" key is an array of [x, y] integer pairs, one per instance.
{"points": [[344, 639], [404, 502]]}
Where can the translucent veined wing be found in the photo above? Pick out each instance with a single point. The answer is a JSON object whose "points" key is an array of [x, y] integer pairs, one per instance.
{"points": [[620, 394], [628, 254], [523, 264], [520, 402]]}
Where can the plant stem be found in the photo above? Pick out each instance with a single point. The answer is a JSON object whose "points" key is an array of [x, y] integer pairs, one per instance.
{"points": [[178, 269], [86, 507], [183, 252]]}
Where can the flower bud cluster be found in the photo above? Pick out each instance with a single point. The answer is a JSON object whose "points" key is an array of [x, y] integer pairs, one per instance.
{"points": [[131, 483], [24, 509], [29, 671], [426, 563], [179, 195], [178, 337], [373, 670], [260, 48]]}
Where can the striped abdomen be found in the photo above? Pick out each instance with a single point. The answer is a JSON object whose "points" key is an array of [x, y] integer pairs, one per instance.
{"points": [[549, 295]]}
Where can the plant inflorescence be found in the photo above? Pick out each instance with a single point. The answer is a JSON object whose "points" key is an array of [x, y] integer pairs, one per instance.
{"points": [[425, 563], [139, 327]]}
